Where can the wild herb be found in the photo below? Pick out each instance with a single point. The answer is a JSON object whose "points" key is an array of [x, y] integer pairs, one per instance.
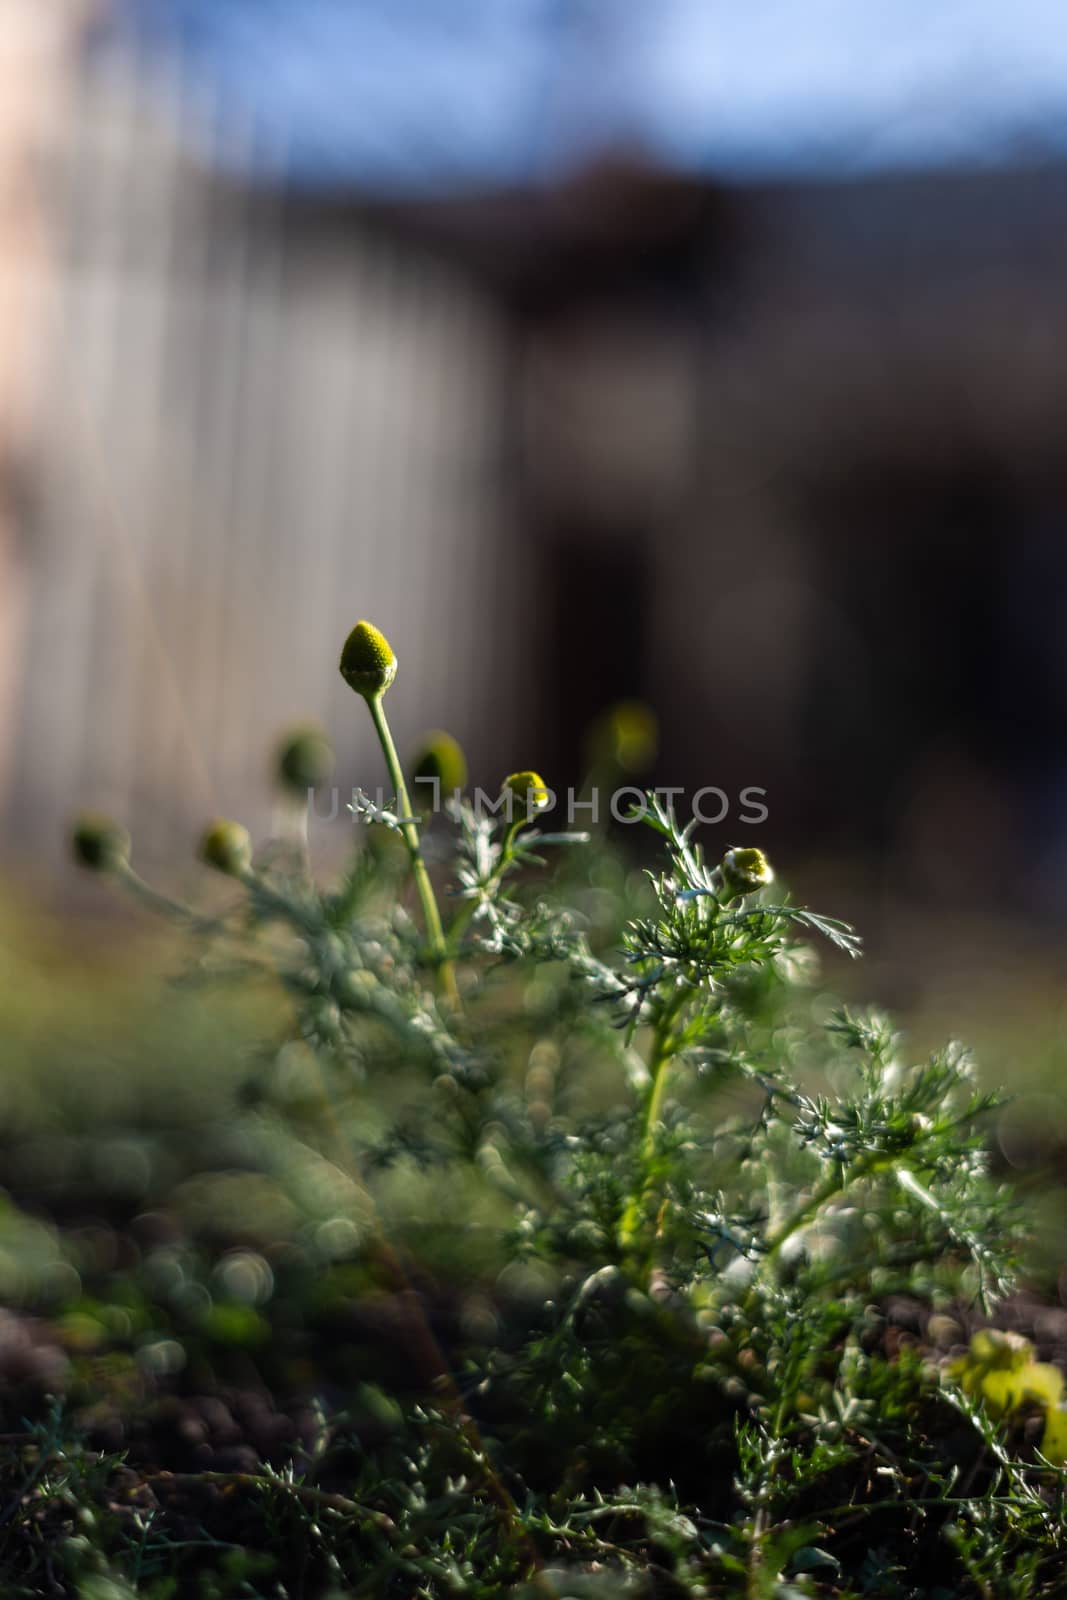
{"points": [[667, 1197]]}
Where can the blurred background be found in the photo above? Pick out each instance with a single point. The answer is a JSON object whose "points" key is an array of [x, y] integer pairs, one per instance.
{"points": [[705, 355]]}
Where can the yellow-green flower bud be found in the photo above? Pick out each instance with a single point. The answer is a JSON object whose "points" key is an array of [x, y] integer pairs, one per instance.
{"points": [[440, 759], [744, 870], [99, 843], [227, 847], [368, 664], [627, 735], [305, 760], [530, 789]]}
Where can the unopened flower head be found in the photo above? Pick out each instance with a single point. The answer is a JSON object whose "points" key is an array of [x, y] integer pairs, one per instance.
{"points": [[99, 843], [627, 735], [440, 759], [227, 847], [305, 760], [368, 664], [530, 789], [744, 870]]}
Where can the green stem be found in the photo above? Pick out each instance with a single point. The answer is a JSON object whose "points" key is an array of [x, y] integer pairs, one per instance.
{"points": [[265, 898], [660, 1059], [469, 907], [410, 832], [148, 896], [661, 1055], [310, 1496], [828, 1190]]}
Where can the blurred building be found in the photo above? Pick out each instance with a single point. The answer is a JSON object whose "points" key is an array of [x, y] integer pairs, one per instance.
{"points": [[811, 457], [781, 458]]}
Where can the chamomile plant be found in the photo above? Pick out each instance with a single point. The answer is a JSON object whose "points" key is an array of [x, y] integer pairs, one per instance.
{"points": [[679, 1190]]}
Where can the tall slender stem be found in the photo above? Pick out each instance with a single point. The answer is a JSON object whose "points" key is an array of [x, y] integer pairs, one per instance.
{"points": [[658, 1063], [143, 891], [410, 832], [654, 1105]]}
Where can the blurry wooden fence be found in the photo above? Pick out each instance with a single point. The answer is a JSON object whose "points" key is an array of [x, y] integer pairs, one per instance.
{"points": [[254, 432]]}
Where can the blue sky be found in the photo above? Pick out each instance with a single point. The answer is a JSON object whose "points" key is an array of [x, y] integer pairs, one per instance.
{"points": [[425, 95]]}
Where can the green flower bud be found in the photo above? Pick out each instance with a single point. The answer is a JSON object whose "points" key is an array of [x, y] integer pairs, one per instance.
{"points": [[440, 759], [227, 847], [99, 843], [744, 870], [305, 760], [368, 664], [627, 735], [530, 789]]}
